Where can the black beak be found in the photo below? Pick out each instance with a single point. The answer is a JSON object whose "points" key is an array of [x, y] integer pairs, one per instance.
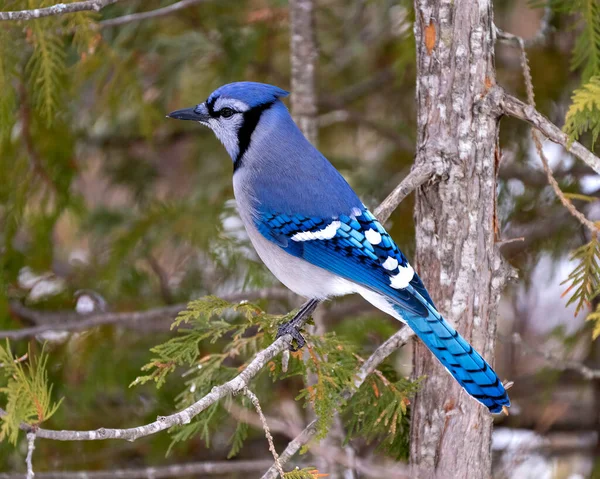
{"points": [[196, 113]]}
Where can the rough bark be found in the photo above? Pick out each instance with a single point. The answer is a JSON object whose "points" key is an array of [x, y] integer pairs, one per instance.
{"points": [[456, 252], [303, 51]]}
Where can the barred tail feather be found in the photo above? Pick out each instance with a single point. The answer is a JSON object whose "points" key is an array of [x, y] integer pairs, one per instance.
{"points": [[465, 364]]}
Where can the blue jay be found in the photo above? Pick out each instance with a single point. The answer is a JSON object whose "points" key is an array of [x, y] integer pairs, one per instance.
{"points": [[316, 236]]}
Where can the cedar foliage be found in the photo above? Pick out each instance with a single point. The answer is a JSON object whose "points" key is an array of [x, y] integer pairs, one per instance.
{"points": [[78, 101], [26, 392], [378, 410], [584, 112]]}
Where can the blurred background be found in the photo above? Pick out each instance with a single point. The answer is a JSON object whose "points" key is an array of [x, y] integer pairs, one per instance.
{"points": [[107, 205]]}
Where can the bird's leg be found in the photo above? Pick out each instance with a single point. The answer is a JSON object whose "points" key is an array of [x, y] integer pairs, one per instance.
{"points": [[293, 326]]}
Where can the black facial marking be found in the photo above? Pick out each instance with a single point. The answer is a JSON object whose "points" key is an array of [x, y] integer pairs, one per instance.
{"points": [[210, 105], [251, 118]]}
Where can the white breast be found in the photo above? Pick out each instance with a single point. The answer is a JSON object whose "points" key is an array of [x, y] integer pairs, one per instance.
{"points": [[297, 274]]}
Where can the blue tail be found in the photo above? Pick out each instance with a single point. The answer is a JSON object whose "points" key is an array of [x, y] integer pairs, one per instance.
{"points": [[467, 366]]}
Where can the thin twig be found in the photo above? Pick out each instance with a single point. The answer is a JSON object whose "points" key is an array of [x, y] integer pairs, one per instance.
{"points": [[159, 12], [58, 9], [393, 343], [29, 458], [538, 145], [516, 108], [263, 420], [307, 434], [339, 455], [196, 469]]}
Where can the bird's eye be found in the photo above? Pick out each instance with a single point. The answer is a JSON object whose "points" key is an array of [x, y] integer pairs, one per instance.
{"points": [[226, 112]]}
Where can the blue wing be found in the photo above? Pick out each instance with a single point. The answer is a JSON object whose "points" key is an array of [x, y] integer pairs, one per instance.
{"points": [[347, 253], [359, 249]]}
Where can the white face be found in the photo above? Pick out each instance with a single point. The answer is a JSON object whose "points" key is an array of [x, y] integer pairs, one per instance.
{"points": [[226, 121]]}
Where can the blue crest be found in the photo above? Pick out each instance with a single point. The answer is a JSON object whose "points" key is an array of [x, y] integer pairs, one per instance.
{"points": [[251, 93]]}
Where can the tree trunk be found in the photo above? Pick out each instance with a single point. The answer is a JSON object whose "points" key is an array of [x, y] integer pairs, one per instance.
{"points": [[304, 56], [456, 253]]}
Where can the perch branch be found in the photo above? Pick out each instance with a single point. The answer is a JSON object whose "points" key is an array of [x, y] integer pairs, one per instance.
{"points": [[184, 416], [58, 9]]}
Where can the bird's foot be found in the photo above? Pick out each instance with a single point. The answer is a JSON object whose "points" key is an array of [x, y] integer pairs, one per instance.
{"points": [[290, 328], [293, 326]]}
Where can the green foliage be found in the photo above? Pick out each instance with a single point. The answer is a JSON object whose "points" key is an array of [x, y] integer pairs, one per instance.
{"points": [[333, 363], [27, 391], [584, 112], [46, 68], [237, 440], [206, 318], [245, 329], [8, 60], [378, 411], [306, 473], [216, 339], [595, 318], [586, 52], [584, 281]]}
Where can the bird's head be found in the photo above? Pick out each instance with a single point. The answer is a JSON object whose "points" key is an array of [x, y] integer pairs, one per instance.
{"points": [[232, 112]]}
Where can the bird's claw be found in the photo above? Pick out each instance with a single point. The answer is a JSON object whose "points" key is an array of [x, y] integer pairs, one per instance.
{"points": [[290, 328]]}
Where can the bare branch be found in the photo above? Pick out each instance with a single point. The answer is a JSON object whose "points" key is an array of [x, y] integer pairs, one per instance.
{"points": [[159, 12], [58, 9], [198, 469], [395, 342], [516, 108], [73, 321], [419, 175], [557, 363]]}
